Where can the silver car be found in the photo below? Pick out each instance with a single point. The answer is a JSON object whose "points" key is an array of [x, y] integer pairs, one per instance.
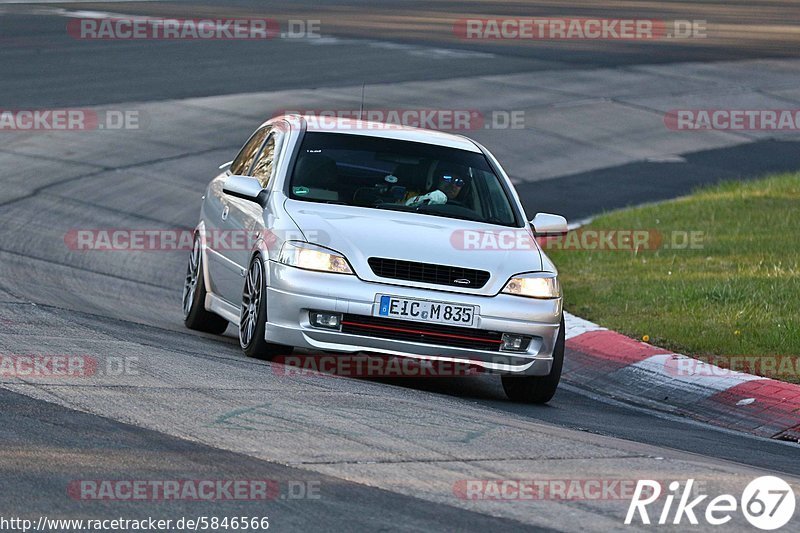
{"points": [[342, 236]]}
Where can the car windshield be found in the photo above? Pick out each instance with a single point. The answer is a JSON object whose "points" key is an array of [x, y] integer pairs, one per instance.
{"points": [[380, 173]]}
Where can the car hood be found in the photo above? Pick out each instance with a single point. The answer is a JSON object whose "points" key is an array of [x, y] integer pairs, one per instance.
{"points": [[360, 233]]}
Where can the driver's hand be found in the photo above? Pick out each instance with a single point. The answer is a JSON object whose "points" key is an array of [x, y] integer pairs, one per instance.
{"points": [[432, 198]]}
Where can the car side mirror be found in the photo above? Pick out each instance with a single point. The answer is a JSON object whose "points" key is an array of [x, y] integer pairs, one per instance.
{"points": [[244, 187], [547, 224]]}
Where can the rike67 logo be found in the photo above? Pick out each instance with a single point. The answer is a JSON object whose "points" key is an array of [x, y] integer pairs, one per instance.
{"points": [[767, 503]]}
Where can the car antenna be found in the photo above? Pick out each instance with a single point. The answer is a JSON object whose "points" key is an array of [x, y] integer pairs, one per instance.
{"points": [[361, 109]]}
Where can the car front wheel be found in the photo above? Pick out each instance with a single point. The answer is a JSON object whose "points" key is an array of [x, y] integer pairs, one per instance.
{"points": [[537, 389], [253, 316]]}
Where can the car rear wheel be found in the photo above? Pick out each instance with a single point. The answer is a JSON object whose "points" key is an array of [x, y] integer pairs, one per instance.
{"points": [[537, 389], [253, 317], [195, 315]]}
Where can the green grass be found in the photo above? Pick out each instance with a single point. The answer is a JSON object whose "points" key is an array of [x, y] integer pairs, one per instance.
{"points": [[739, 294]]}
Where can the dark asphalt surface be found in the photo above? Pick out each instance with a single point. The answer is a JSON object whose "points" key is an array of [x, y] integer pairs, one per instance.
{"points": [[95, 72], [586, 194], [46, 446], [575, 409], [44, 66]]}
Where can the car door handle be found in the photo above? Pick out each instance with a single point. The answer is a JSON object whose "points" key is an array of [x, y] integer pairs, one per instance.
{"points": [[225, 212]]}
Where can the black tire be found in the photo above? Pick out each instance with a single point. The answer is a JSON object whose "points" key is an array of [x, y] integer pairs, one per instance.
{"points": [[253, 316], [537, 389], [195, 315]]}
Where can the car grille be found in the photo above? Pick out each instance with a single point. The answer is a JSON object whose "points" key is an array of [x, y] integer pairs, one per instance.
{"points": [[427, 273], [405, 330]]}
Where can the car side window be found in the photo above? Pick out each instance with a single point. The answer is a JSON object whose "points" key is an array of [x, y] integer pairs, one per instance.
{"points": [[241, 165], [265, 163]]}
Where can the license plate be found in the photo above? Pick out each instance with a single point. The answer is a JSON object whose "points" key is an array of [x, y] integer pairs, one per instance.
{"points": [[426, 311]]}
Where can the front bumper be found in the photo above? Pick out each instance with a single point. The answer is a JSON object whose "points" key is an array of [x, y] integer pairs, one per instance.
{"points": [[293, 292]]}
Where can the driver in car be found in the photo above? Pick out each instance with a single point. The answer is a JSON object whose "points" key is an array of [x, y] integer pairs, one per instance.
{"points": [[448, 188]]}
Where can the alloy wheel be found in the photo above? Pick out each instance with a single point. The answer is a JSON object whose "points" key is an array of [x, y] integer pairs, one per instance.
{"points": [[190, 283], [251, 300]]}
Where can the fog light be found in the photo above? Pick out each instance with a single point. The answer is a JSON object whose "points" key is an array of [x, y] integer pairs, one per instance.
{"points": [[514, 343], [325, 320]]}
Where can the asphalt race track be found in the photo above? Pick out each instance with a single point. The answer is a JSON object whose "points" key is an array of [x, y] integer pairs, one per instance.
{"points": [[359, 454]]}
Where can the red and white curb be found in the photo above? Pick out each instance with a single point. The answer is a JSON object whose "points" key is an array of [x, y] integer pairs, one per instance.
{"points": [[613, 364]]}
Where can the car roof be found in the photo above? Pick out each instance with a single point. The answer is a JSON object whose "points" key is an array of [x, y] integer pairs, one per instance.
{"points": [[384, 130]]}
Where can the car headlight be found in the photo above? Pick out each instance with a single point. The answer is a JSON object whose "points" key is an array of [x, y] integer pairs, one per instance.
{"points": [[542, 285], [313, 257]]}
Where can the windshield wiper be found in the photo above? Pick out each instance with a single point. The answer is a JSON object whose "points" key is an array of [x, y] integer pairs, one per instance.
{"points": [[320, 201], [437, 212], [395, 207], [432, 211]]}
